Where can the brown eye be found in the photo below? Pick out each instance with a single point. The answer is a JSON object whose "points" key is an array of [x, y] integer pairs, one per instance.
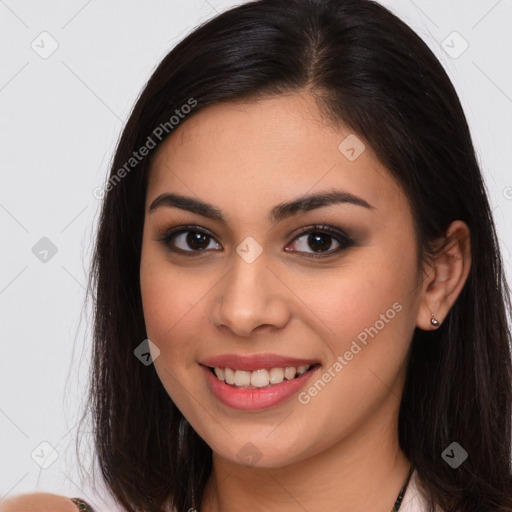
{"points": [[188, 241], [195, 240], [319, 240]]}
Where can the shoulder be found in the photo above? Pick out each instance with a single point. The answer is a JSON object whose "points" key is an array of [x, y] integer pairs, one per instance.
{"points": [[38, 502]]}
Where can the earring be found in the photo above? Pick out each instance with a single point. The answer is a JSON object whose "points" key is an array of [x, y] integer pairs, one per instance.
{"points": [[434, 321]]}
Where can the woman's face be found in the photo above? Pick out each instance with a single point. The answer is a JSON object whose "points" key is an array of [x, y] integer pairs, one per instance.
{"points": [[250, 284]]}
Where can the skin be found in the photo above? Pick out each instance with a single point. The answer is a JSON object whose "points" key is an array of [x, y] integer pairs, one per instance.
{"points": [[339, 451], [38, 502]]}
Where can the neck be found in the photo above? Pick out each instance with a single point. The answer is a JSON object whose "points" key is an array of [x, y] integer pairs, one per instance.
{"points": [[364, 471]]}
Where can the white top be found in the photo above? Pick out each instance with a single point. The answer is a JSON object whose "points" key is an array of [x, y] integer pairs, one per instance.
{"points": [[413, 500]]}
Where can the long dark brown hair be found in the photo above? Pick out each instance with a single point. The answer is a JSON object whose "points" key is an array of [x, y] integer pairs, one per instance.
{"points": [[372, 73]]}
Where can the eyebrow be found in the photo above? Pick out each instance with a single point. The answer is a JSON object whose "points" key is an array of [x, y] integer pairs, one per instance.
{"points": [[279, 212]]}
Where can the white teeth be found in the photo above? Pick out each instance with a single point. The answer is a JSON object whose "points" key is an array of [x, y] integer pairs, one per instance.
{"points": [[229, 376], [242, 378], [259, 378], [301, 370], [289, 372], [276, 375]]}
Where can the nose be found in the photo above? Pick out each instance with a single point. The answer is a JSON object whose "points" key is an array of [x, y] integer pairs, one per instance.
{"points": [[250, 297]]}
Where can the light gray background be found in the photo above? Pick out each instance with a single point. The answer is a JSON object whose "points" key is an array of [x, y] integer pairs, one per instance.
{"points": [[60, 120]]}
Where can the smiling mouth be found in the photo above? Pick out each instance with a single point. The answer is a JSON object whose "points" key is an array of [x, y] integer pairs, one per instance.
{"points": [[262, 378]]}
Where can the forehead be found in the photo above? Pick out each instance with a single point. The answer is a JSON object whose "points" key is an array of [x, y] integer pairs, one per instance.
{"points": [[249, 156]]}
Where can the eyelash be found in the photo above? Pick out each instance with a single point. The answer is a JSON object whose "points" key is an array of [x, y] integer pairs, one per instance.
{"points": [[341, 237]]}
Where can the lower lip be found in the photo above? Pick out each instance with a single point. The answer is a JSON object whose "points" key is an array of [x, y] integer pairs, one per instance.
{"points": [[254, 399]]}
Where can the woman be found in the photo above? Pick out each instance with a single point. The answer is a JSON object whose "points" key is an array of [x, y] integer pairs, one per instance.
{"points": [[300, 302]]}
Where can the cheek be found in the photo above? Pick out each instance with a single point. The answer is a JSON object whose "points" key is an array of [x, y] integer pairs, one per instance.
{"points": [[174, 304], [168, 299], [373, 295], [166, 296], [368, 309]]}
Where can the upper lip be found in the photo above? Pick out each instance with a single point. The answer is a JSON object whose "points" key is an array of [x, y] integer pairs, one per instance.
{"points": [[255, 362]]}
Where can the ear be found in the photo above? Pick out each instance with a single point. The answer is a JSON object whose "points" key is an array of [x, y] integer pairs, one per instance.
{"points": [[445, 276]]}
